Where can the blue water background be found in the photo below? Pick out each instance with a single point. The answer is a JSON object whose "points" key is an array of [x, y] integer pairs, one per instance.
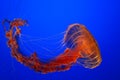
{"points": [[49, 17]]}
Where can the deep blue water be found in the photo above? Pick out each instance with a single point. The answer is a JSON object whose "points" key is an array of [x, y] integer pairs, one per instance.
{"points": [[49, 17]]}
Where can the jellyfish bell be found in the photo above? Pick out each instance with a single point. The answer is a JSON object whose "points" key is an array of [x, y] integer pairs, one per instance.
{"points": [[79, 38]]}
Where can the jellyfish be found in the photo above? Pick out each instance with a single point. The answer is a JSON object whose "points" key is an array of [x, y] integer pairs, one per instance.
{"points": [[81, 48]]}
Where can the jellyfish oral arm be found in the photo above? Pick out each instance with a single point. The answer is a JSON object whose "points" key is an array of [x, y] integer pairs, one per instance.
{"points": [[60, 63]]}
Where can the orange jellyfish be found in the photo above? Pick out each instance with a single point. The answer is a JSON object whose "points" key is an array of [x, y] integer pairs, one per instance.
{"points": [[81, 48]]}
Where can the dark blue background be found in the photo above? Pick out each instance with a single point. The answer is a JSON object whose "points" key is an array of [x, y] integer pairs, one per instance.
{"points": [[48, 17]]}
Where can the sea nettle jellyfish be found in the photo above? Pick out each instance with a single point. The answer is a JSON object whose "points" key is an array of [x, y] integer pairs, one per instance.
{"points": [[81, 48]]}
